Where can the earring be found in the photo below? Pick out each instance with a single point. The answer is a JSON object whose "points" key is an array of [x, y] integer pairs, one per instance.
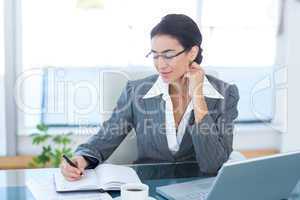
{"points": [[190, 63]]}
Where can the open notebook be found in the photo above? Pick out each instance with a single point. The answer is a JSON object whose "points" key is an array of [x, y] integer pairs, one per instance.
{"points": [[105, 177]]}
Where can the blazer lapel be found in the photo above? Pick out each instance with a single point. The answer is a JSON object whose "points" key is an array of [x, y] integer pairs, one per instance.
{"points": [[186, 140], [155, 108], [211, 104]]}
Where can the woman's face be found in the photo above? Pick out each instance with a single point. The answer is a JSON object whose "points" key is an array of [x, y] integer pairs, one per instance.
{"points": [[169, 67]]}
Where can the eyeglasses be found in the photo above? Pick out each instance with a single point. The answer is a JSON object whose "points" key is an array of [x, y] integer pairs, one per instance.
{"points": [[167, 56]]}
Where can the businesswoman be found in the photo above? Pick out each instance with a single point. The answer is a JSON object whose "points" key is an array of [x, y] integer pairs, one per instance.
{"points": [[181, 114]]}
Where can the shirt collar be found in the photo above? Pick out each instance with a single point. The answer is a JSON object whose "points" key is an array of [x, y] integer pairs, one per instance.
{"points": [[160, 87]]}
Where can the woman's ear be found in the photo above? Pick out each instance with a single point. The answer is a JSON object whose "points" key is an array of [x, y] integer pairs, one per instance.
{"points": [[194, 52]]}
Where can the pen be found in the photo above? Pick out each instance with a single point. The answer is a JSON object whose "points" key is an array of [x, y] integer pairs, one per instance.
{"points": [[101, 190], [70, 162]]}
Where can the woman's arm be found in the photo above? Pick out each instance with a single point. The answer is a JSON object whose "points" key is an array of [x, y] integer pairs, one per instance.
{"points": [[112, 132], [212, 136]]}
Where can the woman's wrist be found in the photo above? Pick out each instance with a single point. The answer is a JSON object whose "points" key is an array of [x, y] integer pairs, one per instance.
{"points": [[200, 106], [91, 162]]}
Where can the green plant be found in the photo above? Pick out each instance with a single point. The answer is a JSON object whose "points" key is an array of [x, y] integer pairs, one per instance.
{"points": [[53, 147]]}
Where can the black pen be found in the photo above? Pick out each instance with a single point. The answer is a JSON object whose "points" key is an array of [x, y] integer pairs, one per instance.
{"points": [[70, 162]]}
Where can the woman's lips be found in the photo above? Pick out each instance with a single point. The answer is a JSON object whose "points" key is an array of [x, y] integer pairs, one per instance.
{"points": [[165, 73]]}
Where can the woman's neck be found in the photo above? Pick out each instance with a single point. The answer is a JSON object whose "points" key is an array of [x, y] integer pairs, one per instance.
{"points": [[179, 87]]}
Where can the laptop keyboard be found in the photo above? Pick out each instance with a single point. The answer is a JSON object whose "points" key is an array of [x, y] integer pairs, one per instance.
{"points": [[191, 190], [194, 196]]}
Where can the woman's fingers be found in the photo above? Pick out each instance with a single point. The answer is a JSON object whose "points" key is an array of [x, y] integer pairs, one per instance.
{"points": [[80, 163], [196, 69], [71, 169], [71, 178], [187, 74], [69, 172], [195, 65], [73, 173]]}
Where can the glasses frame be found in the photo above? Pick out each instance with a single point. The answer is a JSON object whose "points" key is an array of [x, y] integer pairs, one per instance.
{"points": [[164, 56]]}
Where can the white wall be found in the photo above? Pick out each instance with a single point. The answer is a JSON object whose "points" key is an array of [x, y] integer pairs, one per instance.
{"points": [[290, 42], [2, 122]]}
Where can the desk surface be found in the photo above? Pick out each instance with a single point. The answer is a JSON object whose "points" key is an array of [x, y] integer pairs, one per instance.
{"points": [[13, 182]]}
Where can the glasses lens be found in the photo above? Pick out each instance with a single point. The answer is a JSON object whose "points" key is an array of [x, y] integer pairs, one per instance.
{"points": [[166, 56], [169, 55]]}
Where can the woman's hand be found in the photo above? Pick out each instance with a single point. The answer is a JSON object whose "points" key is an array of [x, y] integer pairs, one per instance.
{"points": [[73, 173], [195, 77]]}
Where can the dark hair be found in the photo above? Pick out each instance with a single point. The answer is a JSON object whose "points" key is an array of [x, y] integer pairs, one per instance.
{"points": [[182, 28]]}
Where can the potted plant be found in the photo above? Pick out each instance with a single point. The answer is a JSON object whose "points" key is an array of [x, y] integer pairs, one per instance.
{"points": [[53, 147]]}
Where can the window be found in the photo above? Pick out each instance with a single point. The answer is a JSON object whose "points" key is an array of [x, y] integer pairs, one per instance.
{"points": [[92, 32], [239, 42], [1, 39], [239, 32], [83, 34], [2, 93], [238, 35]]}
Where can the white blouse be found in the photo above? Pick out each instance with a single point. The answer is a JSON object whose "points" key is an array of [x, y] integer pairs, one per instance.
{"points": [[160, 87]]}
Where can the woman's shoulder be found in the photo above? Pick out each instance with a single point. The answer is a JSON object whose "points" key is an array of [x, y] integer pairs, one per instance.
{"points": [[144, 84], [224, 88], [149, 79]]}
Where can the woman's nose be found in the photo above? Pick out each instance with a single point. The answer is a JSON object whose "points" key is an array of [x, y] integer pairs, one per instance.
{"points": [[161, 63]]}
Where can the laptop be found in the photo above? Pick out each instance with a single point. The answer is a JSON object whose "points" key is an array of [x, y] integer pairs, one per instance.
{"points": [[266, 178]]}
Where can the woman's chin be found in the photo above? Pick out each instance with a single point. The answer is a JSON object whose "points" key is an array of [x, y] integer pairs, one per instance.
{"points": [[166, 79]]}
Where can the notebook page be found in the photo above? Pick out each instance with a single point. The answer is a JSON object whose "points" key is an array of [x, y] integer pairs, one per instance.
{"points": [[88, 181], [113, 176], [43, 188]]}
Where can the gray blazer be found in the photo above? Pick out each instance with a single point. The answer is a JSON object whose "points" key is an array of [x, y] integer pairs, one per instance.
{"points": [[208, 142]]}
